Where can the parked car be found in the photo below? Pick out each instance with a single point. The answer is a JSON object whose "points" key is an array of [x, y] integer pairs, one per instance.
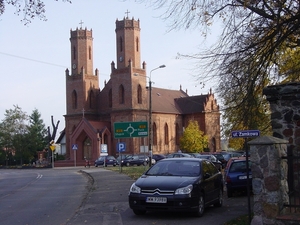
{"points": [[194, 154], [106, 161], [221, 158], [137, 160], [179, 155], [213, 159], [121, 157], [228, 155], [157, 157], [236, 176], [177, 184]]}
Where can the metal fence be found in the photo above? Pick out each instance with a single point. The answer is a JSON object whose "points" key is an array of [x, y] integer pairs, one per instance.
{"points": [[293, 181]]}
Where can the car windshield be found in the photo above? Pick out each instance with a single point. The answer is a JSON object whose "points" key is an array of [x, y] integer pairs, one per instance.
{"points": [[175, 168]]}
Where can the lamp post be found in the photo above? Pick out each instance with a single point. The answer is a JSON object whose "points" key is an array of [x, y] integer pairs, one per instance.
{"points": [[150, 114]]}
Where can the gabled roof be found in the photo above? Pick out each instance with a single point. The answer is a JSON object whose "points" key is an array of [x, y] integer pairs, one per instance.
{"points": [[163, 100], [193, 104], [177, 101]]}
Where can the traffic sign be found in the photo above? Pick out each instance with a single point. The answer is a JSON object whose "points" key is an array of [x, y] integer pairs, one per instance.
{"points": [[245, 133], [74, 146], [121, 146], [131, 129]]}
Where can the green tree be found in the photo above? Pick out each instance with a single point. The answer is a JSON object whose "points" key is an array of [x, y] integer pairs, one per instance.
{"points": [[193, 139], [13, 129], [37, 134]]}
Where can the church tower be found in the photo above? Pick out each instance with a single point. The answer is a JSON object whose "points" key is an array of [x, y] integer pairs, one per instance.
{"points": [[128, 75], [82, 86]]}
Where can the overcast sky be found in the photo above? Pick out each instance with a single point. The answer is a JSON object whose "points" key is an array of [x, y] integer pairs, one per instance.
{"points": [[34, 58]]}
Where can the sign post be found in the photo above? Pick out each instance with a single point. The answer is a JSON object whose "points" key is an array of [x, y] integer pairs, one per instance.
{"points": [[75, 148], [246, 134]]}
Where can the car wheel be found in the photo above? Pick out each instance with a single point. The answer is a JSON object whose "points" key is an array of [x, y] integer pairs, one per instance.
{"points": [[220, 199], [96, 165], [229, 193], [128, 164], [145, 163], [201, 206], [139, 212]]}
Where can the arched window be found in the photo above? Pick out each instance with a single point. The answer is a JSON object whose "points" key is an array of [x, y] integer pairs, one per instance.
{"points": [[74, 52], [166, 134], [110, 98], [90, 53], [121, 94], [139, 94], [121, 44], [177, 132], [213, 143], [137, 44], [91, 99], [154, 133], [74, 100]]}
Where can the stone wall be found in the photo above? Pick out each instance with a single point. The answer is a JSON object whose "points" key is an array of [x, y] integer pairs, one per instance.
{"points": [[275, 159], [269, 180]]}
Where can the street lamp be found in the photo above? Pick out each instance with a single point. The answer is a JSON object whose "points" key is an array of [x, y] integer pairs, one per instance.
{"points": [[150, 114]]}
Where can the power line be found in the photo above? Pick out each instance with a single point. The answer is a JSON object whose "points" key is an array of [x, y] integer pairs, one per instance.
{"points": [[33, 60]]}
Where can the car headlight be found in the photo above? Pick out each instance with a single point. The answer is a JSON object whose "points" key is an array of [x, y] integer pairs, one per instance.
{"points": [[184, 190], [135, 189]]}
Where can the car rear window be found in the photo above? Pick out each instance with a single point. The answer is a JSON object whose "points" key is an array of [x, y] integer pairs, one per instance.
{"points": [[239, 166]]}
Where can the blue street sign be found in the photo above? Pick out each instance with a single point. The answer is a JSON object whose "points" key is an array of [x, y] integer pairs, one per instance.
{"points": [[245, 133], [121, 146], [74, 146]]}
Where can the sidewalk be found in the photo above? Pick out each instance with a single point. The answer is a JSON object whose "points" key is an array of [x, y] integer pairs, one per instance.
{"points": [[107, 198]]}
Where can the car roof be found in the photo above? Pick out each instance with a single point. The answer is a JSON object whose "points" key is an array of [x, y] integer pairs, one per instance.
{"points": [[183, 159]]}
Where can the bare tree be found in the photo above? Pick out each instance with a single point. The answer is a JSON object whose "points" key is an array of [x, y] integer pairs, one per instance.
{"points": [[255, 35], [30, 9]]}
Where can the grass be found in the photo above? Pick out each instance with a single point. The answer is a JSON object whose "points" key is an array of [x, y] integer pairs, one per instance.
{"points": [[136, 171]]}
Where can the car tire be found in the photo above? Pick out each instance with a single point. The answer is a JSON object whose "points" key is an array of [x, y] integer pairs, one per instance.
{"points": [[139, 212], [145, 163], [220, 199], [128, 164], [96, 165], [201, 206]]}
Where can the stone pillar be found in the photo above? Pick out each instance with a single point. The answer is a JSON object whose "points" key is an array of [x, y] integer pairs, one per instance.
{"points": [[269, 178]]}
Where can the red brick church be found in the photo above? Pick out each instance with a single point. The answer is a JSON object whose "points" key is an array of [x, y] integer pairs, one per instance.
{"points": [[92, 112]]}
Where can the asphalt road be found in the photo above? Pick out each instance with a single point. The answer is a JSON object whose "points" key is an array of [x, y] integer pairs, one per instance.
{"points": [[40, 196], [78, 196], [107, 204]]}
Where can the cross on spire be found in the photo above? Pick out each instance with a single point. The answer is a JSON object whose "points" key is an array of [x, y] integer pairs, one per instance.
{"points": [[127, 12], [81, 23]]}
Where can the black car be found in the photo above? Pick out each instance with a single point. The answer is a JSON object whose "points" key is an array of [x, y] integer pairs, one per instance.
{"points": [[177, 184], [179, 155], [106, 160], [213, 159], [157, 157], [137, 160]]}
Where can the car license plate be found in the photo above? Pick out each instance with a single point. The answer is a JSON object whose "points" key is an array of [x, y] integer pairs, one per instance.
{"points": [[156, 200], [244, 177]]}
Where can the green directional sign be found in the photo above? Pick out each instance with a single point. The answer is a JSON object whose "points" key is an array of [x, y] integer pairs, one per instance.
{"points": [[131, 129]]}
